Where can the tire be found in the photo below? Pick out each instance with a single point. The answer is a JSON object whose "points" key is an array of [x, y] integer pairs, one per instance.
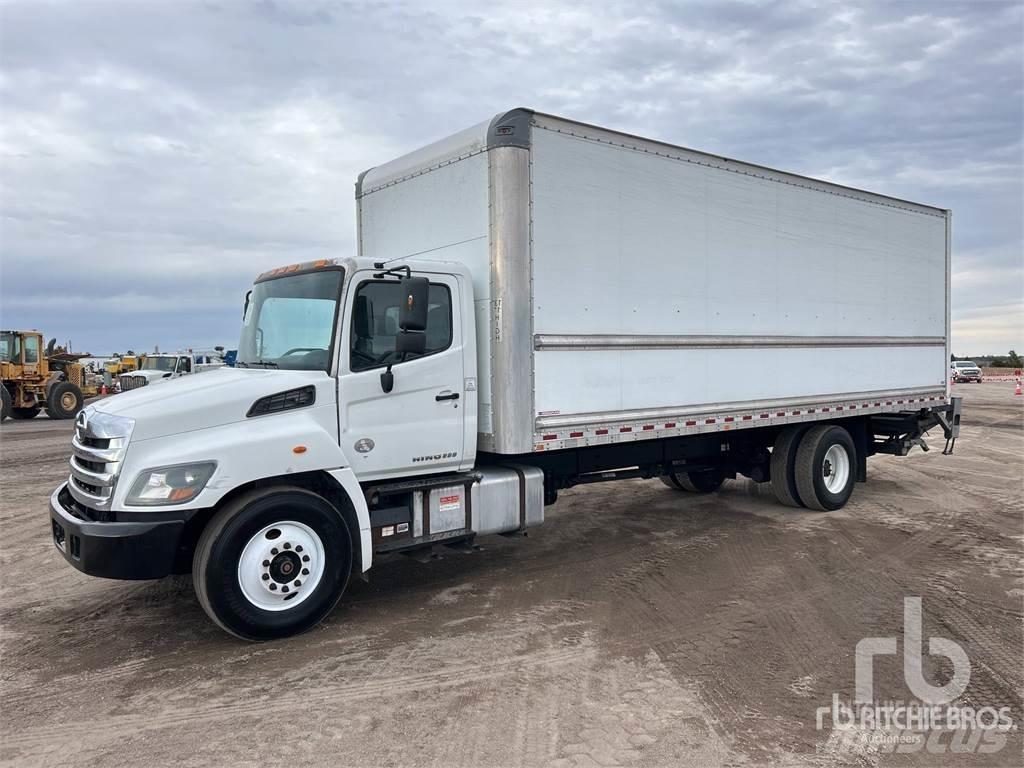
{"points": [[233, 584], [5, 403], [25, 413], [783, 463], [672, 481], [64, 401], [826, 468], [705, 481]]}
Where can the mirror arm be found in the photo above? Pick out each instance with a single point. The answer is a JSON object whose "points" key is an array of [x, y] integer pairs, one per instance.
{"points": [[387, 380]]}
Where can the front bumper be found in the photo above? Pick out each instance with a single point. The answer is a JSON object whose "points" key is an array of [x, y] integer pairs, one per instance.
{"points": [[113, 550]]}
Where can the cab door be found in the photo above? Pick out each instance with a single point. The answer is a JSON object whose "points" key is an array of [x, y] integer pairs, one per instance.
{"points": [[417, 427], [32, 352]]}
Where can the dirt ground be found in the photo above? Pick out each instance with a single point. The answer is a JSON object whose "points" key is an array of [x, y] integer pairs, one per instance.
{"points": [[639, 626]]}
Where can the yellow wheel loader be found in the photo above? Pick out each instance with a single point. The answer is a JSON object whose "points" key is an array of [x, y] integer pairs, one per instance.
{"points": [[35, 377]]}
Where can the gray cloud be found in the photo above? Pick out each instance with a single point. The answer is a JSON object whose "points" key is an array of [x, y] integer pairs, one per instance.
{"points": [[155, 157]]}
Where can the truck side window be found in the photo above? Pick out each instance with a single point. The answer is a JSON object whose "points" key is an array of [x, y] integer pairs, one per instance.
{"points": [[31, 349], [375, 323]]}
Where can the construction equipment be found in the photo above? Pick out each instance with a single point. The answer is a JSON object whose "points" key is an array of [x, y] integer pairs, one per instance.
{"points": [[35, 377], [123, 364]]}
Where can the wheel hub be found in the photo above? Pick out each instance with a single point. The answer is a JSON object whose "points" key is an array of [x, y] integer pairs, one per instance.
{"points": [[281, 565], [836, 468], [284, 567]]}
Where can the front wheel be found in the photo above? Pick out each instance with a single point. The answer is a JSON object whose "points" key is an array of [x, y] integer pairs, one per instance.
{"points": [[272, 563]]}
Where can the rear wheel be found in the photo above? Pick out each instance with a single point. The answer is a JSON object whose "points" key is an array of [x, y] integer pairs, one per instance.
{"points": [[64, 400], [704, 481], [272, 563], [783, 465], [825, 464], [25, 413], [5, 403]]}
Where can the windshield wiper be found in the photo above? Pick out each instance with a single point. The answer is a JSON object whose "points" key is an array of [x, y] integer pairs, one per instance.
{"points": [[263, 363]]}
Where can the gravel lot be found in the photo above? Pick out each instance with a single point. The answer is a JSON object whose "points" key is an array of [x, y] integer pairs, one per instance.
{"points": [[638, 626]]}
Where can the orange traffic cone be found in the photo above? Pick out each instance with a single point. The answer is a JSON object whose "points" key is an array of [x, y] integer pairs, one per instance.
{"points": [[1018, 388]]}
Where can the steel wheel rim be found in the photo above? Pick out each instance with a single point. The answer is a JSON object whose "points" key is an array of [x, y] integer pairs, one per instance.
{"points": [[281, 566], [835, 468], [67, 400]]}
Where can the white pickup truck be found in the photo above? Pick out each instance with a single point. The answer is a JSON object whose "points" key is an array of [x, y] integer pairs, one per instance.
{"points": [[536, 304]]}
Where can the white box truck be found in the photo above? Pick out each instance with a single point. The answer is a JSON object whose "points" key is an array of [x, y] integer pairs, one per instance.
{"points": [[536, 303]]}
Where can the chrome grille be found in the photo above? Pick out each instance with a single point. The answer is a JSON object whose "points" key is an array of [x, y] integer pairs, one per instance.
{"points": [[96, 456], [130, 381]]}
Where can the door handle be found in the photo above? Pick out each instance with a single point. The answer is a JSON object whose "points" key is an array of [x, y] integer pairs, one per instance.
{"points": [[449, 396]]}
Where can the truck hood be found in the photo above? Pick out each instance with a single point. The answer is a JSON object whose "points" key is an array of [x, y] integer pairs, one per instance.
{"points": [[150, 376], [220, 396]]}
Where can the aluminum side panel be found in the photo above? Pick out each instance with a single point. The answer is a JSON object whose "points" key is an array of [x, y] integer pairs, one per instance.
{"points": [[511, 342], [631, 243], [616, 380]]}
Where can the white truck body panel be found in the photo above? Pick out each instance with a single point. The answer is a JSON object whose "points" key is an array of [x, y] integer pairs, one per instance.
{"points": [[628, 289]]}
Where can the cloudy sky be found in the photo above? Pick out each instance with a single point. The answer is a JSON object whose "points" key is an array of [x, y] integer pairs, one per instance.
{"points": [[157, 156]]}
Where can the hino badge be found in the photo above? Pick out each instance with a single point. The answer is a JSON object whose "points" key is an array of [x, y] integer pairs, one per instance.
{"points": [[536, 303]]}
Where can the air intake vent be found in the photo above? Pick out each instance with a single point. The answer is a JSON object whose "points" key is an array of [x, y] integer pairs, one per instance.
{"points": [[283, 401]]}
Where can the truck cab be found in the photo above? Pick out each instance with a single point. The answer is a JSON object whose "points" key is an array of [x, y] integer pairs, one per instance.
{"points": [[156, 368], [354, 394]]}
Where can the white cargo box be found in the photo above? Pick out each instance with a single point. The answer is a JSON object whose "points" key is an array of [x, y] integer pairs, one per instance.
{"points": [[628, 289]]}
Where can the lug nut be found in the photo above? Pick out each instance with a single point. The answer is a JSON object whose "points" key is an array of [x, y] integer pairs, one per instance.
{"points": [[298, 583], [284, 588], [273, 551], [266, 563], [305, 558], [298, 547], [266, 577], [273, 586], [305, 571], [287, 545]]}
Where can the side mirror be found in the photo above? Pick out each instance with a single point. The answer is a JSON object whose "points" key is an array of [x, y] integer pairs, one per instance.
{"points": [[412, 312]]}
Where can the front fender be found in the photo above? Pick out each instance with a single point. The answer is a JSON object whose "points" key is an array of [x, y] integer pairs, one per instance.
{"points": [[272, 446], [252, 450], [302, 440]]}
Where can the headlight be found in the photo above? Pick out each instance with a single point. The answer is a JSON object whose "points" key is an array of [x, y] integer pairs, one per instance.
{"points": [[170, 485]]}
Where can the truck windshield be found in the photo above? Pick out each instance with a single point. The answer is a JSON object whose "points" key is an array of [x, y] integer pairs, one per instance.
{"points": [[159, 364], [289, 322]]}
